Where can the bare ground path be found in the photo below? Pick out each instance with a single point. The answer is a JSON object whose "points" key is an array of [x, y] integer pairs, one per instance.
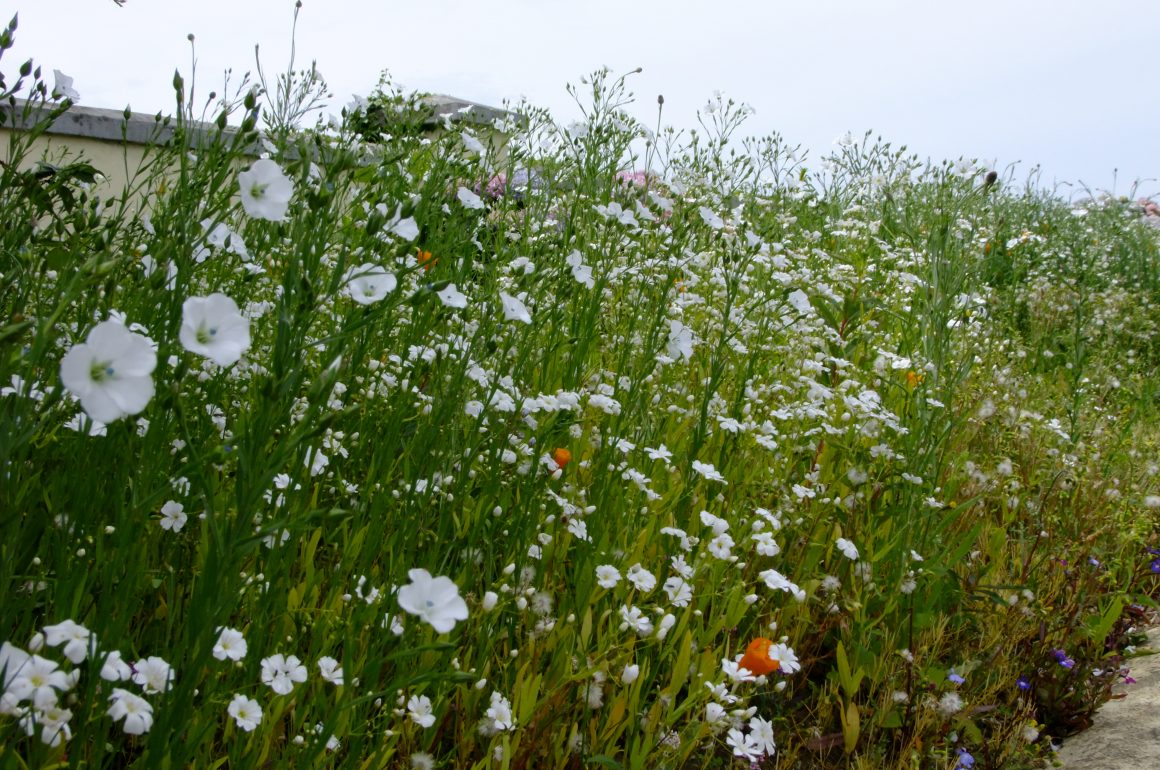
{"points": [[1126, 732]]}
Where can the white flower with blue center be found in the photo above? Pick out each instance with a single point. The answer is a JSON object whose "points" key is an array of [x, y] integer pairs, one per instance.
{"points": [[214, 327]]}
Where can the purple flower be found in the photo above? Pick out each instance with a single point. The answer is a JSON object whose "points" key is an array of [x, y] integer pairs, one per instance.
{"points": [[1061, 656], [965, 760], [1156, 566], [1023, 683], [952, 676]]}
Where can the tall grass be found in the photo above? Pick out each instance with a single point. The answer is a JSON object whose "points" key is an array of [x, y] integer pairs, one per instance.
{"points": [[898, 419]]}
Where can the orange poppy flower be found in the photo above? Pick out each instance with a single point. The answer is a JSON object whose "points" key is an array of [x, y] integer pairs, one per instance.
{"points": [[426, 260], [756, 659], [913, 378], [561, 456]]}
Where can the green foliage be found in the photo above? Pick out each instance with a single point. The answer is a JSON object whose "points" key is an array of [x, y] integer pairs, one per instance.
{"points": [[896, 418]]}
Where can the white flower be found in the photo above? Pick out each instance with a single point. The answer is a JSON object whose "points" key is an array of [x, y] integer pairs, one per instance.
{"points": [[33, 678], [721, 546], [607, 576], [329, 669], [217, 237], [785, 656], [247, 712], [766, 545], [594, 691], [77, 639], [800, 301], [173, 516], [63, 87], [715, 714], [435, 600], [643, 580], [230, 645], [214, 327], [452, 297], [680, 593], [743, 745], [407, 229], [153, 674], [580, 271], [422, 761], [500, 713], [472, 144], [115, 669], [629, 674], [716, 523], [266, 191], [469, 199], [681, 341], [848, 549], [660, 453], [135, 710], [514, 309], [53, 724], [776, 580], [615, 211], [761, 733], [281, 673], [369, 283], [708, 471], [632, 617], [950, 704], [711, 218], [419, 709], [110, 372]]}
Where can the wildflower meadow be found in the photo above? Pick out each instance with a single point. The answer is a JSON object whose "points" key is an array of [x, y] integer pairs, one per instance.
{"points": [[357, 442]]}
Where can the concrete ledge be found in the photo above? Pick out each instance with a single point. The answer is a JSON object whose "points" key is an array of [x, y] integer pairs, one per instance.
{"points": [[140, 128], [1125, 734]]}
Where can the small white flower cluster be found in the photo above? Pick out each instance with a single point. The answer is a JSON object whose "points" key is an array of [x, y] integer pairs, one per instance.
{"points": [[33, 685]]}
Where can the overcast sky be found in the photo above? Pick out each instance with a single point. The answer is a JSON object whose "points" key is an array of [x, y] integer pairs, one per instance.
{"points": [[1070, 85]]}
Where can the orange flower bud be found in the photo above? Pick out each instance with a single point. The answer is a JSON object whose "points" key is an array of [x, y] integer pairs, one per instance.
{"points": [[756, 659], [561, 456]]}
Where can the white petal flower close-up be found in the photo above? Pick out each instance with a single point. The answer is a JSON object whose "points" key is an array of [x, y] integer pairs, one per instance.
{"points": [[247, 712], [419, 709], [266, 190], [115, 669], [173, 516], [135, 710], [435, 600], [110, 372], [848, 549], [330, 670], [153, 674], [468, 198], [450, 296], [514, 309], [281, 673], [214, 327], [230, 645], [63, 87], [78, 641], [369, 283]]}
